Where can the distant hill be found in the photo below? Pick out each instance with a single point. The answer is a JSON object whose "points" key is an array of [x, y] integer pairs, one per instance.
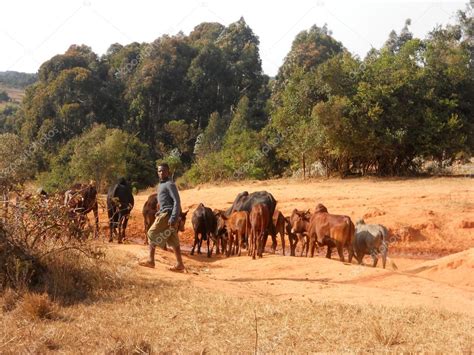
{"points": [[17, 80]]}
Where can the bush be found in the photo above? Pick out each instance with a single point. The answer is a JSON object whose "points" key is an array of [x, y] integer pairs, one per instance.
{"points": [[42, 249], [38, 306]]}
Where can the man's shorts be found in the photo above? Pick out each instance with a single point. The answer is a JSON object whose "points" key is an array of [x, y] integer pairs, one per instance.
{"points": [[160, 233]]}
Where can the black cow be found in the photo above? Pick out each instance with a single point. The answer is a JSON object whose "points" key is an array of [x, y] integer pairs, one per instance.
{"points": [[205, 224], [119, 205], [245, 201]]}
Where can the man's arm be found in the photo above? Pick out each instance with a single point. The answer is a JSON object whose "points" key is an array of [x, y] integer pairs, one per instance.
{"points": [[176, 203]]}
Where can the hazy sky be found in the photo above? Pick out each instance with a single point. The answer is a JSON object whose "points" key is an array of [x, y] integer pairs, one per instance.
{"points": [[33, 31]]}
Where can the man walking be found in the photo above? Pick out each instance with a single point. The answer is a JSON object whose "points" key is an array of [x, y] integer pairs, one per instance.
{"points": [[165, 228]]}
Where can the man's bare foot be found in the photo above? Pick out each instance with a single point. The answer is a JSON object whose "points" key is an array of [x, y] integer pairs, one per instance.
{"points": [[177, 268], [146, 264]]}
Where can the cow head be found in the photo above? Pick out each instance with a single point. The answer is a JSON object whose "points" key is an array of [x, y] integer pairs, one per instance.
{"points": [[360, 221], [320, 208], [221, 218], [299, 221], [182, 220]]}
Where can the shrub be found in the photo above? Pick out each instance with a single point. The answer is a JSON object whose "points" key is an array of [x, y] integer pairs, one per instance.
{"points": [[42, 249]]}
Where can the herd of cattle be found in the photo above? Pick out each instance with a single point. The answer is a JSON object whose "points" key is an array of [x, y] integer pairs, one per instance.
{"points": [[246, 224]]}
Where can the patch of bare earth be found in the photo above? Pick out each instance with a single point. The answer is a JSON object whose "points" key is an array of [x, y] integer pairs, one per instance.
{"points": [[282, 304]]}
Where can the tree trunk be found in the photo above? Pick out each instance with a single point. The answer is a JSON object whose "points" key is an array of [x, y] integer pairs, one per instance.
{"points": [[5, 205], [304, 166]]}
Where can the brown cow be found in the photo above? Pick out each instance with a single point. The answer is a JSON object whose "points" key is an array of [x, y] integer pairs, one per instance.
{"points": [[279, 223], [236, 225], [331, 230], [259, 219], [299, 222], [82, 199], [150, 208]]}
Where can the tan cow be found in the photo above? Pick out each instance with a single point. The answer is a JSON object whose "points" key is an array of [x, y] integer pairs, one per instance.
{"points": [[237, 229], [279, 223], [331, 230], [259, 219]]}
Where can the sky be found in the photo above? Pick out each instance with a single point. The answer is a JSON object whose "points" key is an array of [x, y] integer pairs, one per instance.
{"points": [[31, 32]]}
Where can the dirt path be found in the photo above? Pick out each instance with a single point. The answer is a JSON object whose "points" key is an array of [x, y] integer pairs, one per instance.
{"points": [[290, 278]]}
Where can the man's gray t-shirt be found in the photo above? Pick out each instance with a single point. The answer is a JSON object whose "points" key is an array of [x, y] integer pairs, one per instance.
{"points": [[168, 198]]}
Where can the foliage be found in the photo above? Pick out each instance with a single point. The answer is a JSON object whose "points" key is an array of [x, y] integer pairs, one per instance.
{"points": [[42, 249], [4, 96], [409, 101], [406, 102], [17, 80], [15, 161], [102, 155]]}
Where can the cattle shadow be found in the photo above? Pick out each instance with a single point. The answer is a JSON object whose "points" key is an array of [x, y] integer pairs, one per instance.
{"points": [[324, 280]]}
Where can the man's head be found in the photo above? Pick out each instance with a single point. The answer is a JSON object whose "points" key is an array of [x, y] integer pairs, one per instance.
{"points": [[163, 171]]}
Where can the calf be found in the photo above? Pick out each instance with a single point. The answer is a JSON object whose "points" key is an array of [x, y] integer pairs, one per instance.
{"points": [[299, 222], [331, 230], [205, 224], [150, 208], [236, 226], [259, 219], [370, 239], [279, 223]]}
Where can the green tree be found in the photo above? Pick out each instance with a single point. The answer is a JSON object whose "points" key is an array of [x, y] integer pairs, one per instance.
{"points": [[102, 155]]}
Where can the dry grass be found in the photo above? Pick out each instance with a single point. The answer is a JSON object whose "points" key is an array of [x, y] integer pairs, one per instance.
{"points": [[38, 307], [154, 316], [9, 300]]}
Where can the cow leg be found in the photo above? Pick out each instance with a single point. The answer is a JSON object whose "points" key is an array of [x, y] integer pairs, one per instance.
{"points": [[119, 238], [262, 246], [111, 233], [312, 244], [216, 241], [329, 251], [209, 251], [350, 248], [95, 210], [373, 254], [230, 244], [274, 243], [293, 243], [282, 236], [254, 242], [301, 238], [340, 251], [196, 236], [250, 244], [224, 243], [125, 224], [238, 240], [121, 228]]}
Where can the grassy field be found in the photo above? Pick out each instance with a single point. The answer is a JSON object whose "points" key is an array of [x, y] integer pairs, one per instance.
{"points": [[148, 314]]}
